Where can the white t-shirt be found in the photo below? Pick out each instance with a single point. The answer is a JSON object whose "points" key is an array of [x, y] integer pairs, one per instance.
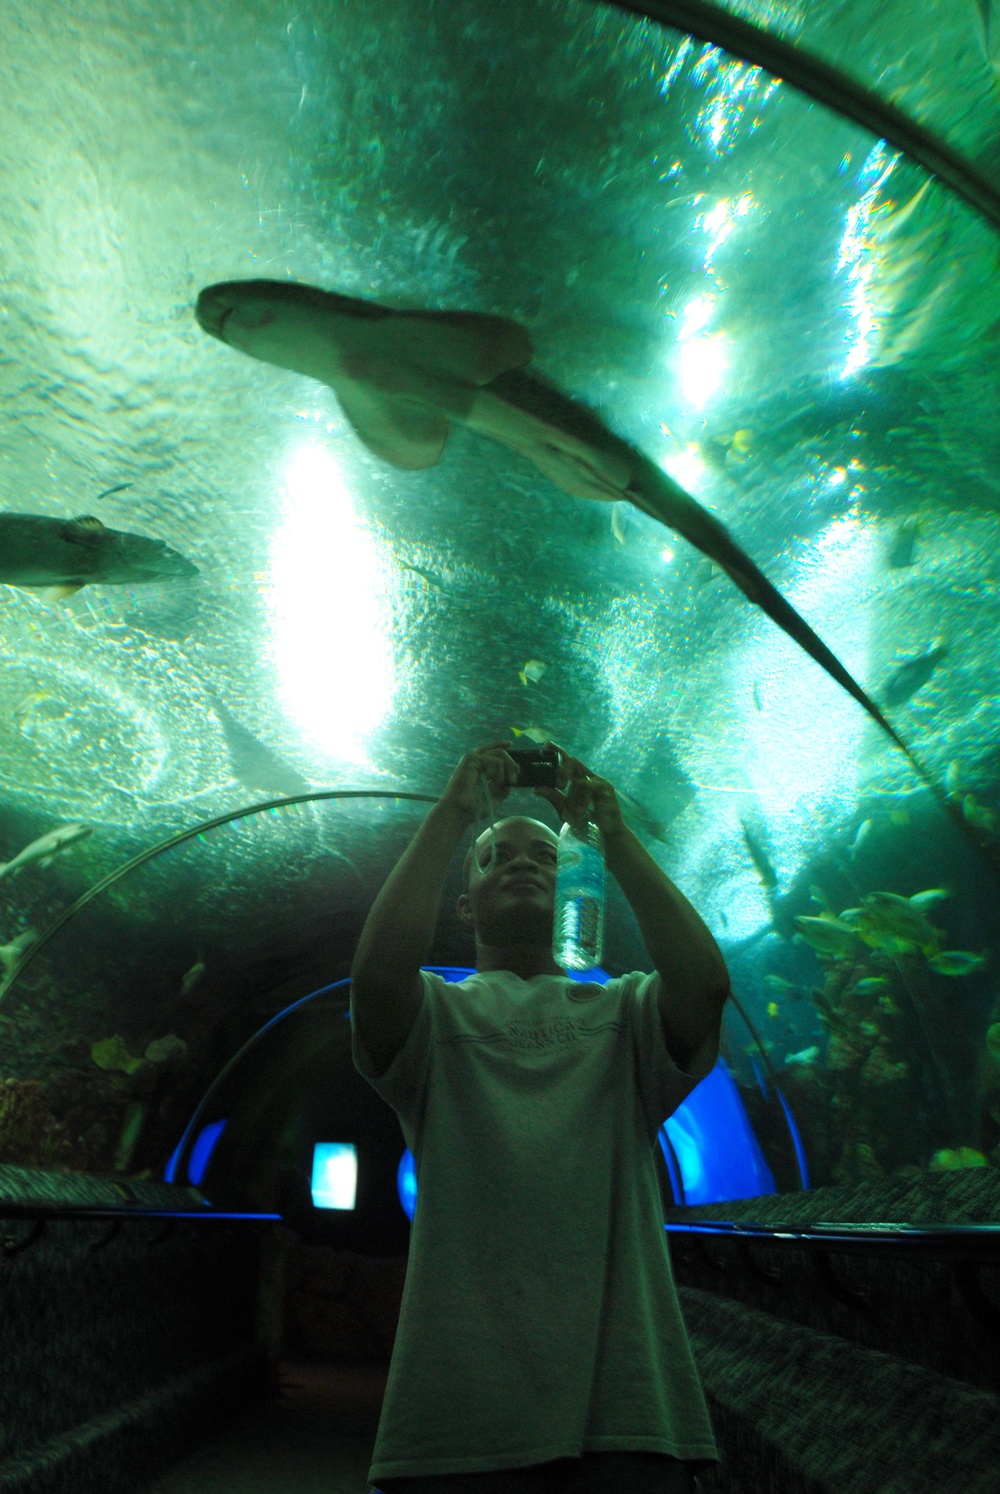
{"points": [[539, 1317]]}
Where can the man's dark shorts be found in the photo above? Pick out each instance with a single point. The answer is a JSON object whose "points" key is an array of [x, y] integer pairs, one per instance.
{"points": [[593, 1473]]}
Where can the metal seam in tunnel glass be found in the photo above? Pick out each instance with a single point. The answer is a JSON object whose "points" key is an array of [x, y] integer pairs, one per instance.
{"points": [[827, 85], [198, 831], [203, 828]]}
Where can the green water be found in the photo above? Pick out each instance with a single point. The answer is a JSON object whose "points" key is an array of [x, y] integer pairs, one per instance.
{"points": [[791, 319]]}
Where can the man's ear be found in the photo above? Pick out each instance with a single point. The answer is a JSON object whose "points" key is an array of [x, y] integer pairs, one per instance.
{"points": [[464, 906]]}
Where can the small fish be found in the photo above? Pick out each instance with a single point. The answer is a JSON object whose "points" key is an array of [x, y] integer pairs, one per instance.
{"points": [[953, 778], [112, 1053], [536, 734], [782, 986], [12, 952], [704, 571], [872, 985], [432, 581], [773, 1009], [160, 1050], [807, 1056], [819, 897], [108, 491], [191, 977], [724, 450], [533, 670], [888, 912], [828, 936], [253, 764], [899, 817], [760, 859], [621, 513], [902, 548], [978, 815], [923, 900], [912, 675], [757, 698], [46, 847], [65, 554], [28, 704], [403, 377], [956, 962], [864, 830]]}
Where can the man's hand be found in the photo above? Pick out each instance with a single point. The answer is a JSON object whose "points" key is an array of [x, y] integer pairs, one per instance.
{"points": [[584, 795], [461, 796]]}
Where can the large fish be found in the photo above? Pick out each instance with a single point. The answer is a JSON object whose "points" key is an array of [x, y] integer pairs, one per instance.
{"points": [[65, 554], [402, 376], [46, 847]]}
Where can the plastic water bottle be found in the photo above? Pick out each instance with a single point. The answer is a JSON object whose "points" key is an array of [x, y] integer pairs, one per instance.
{"points": [[578, 926]]}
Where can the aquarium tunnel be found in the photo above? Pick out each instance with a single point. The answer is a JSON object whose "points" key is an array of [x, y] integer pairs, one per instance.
{"points": [[379, 382], [708, 1145]]}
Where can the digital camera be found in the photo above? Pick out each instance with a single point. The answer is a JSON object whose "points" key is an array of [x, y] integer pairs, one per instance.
{"points": [[536, 766]]}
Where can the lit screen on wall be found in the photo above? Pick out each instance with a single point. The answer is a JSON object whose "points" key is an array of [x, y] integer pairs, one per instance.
{"points": [[334, 1175]]}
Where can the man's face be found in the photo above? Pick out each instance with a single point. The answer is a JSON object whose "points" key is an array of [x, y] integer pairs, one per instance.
{"points": [[512, 900]]}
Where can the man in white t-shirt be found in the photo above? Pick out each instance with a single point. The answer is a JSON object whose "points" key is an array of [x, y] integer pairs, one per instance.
{"points": [[540, 1347]]}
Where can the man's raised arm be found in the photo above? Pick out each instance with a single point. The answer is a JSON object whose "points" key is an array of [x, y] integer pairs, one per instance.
{"points": [[386, 989]]}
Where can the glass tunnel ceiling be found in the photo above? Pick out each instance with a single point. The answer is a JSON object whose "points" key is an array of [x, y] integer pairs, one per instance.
{"points": [[793, 320]]}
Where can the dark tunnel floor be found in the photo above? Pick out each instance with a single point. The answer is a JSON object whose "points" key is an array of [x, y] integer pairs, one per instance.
{"points": [[315, 1437]]}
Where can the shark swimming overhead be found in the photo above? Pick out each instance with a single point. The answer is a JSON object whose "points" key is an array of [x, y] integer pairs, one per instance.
{"points": [[65, 554], [402, 376]]}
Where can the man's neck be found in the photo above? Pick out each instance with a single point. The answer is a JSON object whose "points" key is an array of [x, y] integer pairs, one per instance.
{"points": [[524, 960]]}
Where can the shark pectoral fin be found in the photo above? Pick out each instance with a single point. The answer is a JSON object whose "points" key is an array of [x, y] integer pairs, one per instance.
{"points": [[400, 431], [57, 593], [470, 346]]}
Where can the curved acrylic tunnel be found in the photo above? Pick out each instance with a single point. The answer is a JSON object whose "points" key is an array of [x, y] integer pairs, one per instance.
{"points": [[756, 244], [838, 416]]}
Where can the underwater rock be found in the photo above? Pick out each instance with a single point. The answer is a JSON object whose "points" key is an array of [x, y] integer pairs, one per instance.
{"points": [[30, 1135], [880, 1069], [841, 1054]]}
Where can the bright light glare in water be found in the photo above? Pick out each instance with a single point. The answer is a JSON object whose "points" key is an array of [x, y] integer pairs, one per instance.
{"points": [[328, 616], [800, 755], [685, 467], [701, 355]]}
